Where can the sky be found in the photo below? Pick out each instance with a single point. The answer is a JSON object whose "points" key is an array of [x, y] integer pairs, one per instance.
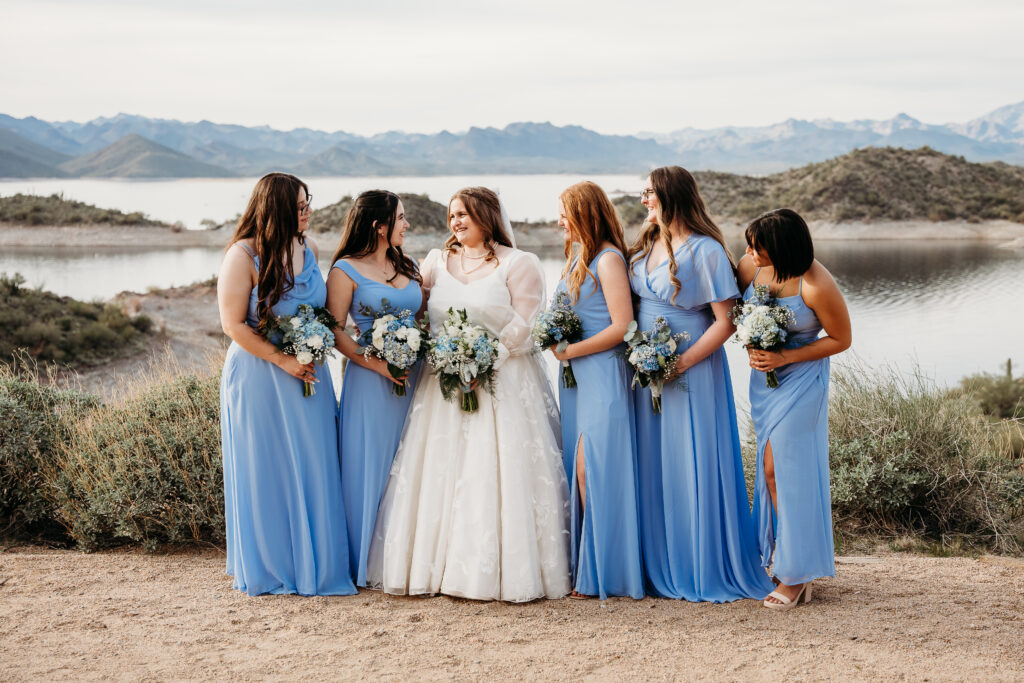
{"points": [[421, 67]]}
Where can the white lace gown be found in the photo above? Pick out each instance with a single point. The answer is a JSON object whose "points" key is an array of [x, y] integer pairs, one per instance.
{"points": [[476, 503]]}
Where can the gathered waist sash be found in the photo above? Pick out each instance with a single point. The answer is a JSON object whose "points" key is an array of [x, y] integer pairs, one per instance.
{"points": [[653, 308]]}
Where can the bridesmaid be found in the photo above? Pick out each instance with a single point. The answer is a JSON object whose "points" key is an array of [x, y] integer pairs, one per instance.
{"points": [[698, 536], [598, 446], [368, 268], [792, 500], [282, 485]]}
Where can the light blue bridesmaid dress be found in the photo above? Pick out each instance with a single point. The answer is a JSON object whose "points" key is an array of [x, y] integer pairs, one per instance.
{"points": [[370, 420], [606, 557], [797, 543], [282, 485], [698, 536]]}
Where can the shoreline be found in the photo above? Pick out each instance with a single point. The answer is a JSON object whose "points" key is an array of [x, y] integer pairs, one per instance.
{"points": [[1005, 233]]}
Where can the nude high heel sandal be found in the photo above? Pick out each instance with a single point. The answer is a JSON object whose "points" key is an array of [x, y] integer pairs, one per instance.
{"points": [[785, 603]]}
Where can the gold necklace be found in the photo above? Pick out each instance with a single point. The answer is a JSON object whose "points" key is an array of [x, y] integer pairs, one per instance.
{"points": [[462, 261]]}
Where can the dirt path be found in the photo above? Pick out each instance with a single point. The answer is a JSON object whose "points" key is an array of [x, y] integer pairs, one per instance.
{"points": [[126, 615]]}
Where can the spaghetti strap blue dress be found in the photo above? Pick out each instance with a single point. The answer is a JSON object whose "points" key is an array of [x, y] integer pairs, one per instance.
{"points": [[283, 505], [598, 413], [698, 536], [797, 541], [370, 420]]}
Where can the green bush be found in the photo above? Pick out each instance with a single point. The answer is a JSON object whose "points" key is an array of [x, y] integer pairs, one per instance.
{"points": [[61, 329], [1001, 396], [146, 471], [34, 420], [910, 458], [28, 209]]}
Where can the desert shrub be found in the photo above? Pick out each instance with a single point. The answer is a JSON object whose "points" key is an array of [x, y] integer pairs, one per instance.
{"points": [[28, 209], [34, 420], [910, 458], [1001, 396], [147, 470], [54, 328]]}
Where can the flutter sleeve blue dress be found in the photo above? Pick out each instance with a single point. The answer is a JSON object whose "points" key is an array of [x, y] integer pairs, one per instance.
{"points": [[370, 419], [797, 542], [282, 483], [598, 413], [697, 532]]}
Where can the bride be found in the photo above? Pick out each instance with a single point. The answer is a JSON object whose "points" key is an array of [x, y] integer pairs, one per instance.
{"points": [[476, 503]]}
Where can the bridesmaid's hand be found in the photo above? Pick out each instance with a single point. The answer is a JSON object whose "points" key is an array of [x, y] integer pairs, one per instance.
{"points": [[679, 368], [380, 366], [765, 360], [563, 355], [307, 373]]}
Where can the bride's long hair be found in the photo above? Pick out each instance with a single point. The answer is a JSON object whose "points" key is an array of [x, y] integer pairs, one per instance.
{"points": [[592, 221], [484, 207], [678, 200]]}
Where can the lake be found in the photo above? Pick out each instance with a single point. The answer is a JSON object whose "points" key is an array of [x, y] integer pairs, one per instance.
{"points": [[942, 306]]}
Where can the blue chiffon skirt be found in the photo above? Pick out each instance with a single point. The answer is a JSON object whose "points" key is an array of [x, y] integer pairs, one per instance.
{"points": [[282, 482]]}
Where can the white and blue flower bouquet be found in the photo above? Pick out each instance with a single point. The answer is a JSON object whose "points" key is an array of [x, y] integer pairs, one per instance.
{"points": [[463, 353], [762, 323], [308, 335], [394, 337], [653, 355], [559, 326]]}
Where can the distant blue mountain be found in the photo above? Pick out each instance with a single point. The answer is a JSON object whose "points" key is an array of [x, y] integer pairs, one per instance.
{"points": [[224, 149]]}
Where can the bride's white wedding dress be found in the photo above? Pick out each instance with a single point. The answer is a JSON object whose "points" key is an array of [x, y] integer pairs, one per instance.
{"points": [[476, 503]]}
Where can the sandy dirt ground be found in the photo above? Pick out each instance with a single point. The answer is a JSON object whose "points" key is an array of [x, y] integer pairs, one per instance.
{"points": [[129, 616]]}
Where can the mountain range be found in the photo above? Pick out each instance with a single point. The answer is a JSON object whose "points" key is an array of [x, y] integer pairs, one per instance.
{"points": [[139, 147]]}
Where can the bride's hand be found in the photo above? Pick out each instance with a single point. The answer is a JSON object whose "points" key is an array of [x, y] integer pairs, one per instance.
{"points": [[380, 366]]}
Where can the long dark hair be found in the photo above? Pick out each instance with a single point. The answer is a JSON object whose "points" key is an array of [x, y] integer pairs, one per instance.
{"points": [[592, 221], [370, 210], [484, 207], [678, 200], [271, 220]]}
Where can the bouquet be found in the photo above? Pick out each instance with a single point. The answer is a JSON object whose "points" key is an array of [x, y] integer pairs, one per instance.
{"points": [[462, 353], [394, 337], [559, 326], [308, 335], [653, 356], [761, 323]]}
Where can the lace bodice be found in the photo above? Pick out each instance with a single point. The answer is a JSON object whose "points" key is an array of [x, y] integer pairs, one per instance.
{"points": [[505, 301]]}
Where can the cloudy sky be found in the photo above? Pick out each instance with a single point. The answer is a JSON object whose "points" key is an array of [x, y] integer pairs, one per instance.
{"points": [[620, 67]]}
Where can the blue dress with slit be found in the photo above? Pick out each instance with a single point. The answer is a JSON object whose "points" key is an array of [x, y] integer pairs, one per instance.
{"points": [[698, 536], [797, 541], [598, 413], [283, 505], [370, 420]]}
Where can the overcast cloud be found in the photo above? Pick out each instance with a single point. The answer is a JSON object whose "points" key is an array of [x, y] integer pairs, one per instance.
{"points": [[424, 67]]}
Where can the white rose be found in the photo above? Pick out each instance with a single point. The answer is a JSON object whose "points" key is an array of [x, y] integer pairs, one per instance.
{"points": [[296, 321], [671, 345], [414, 342], [304, 357], [378, 339], [316, 342]]}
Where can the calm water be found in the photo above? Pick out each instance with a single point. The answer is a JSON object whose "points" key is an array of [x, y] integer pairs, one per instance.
{"points": [[526, 197], [945, 306]]}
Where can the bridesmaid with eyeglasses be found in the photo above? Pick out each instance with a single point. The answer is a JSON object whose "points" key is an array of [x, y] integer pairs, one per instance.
{"points": [[698, 536]]}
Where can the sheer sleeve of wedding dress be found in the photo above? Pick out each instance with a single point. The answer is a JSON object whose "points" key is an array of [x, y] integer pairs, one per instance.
{"points": [[525, 282]]}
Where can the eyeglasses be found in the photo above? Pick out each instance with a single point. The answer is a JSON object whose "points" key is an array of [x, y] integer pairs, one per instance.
{"points": [[647, 193], [305, 208]]}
